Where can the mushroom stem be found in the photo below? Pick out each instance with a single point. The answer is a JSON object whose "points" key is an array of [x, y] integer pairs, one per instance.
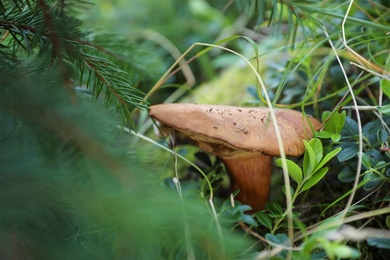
{"points": [[251, 174]]}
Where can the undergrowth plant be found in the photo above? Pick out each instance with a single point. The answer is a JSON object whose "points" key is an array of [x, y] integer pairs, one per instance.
{"points": [[72, 185], [340, 74], [84, 176]]}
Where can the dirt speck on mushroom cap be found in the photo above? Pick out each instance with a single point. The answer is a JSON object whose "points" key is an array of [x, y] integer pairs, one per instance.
{"points": [[224, 130]]}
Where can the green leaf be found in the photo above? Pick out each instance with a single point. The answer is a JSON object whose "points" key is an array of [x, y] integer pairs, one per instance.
{"points": [[278, 239], [274, 208], [373, 181], [335, 138], [309, 159], [382, 136], [264, 219], [346, 175], [327, 158], [377, 242], [324, 117], [237, 210], [291, 190], [344, 251], [334, 124], [317, 148], [212, 178], [384, 109], [315, 178], [351, 127], [324, 134], [243, 208], [366, 161], [387, 172], [293, 169], [385, 86], [204, 186], [347, 153], [388, 222], [248, 220]]}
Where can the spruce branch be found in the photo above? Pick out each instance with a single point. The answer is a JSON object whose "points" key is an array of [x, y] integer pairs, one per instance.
{"points": [[57, 48], [45, 29], [308, 15], [105, 76]]}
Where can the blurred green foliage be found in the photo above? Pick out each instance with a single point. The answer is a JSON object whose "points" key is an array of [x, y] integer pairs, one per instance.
{"points": [[72, 186], [74, 75]]}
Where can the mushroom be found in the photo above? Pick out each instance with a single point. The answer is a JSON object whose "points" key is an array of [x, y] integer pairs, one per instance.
{"points": [[243, 138]]}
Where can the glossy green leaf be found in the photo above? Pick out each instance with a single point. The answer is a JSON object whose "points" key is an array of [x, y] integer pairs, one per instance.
{"points": [[386, 198], [375, 157], [264, 219], [384, 109], [327, 158], [334, 124], [309, 159], [274, 208], [324, 134], [378, 242], [293, 169], [366, 161], [243, 208], [335, 138], [385, 86], [324, 117], [347, 153], [344, 251], [315, 178], [279, 239], [387, 172], [380, 164], [382, 136], [237, 210], [346, 175], [351, 127], [341, 117], [316, 144], [373, 181], [248, 220]]}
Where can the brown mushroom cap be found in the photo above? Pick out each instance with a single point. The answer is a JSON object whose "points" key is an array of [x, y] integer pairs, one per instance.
{"points": [[228, 130]]}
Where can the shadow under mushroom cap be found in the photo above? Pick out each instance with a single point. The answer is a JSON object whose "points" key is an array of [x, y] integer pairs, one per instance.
{"points": [[224, 130]]}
